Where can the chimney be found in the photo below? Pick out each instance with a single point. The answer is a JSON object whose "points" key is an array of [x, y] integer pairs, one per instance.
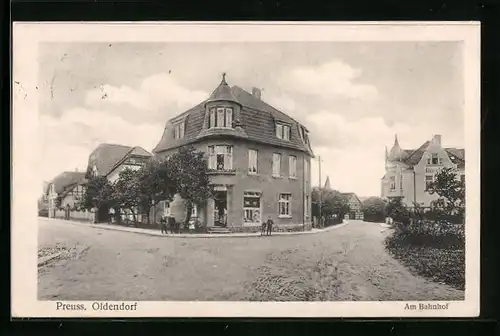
{"points": [[437, 139], [256, 93]]}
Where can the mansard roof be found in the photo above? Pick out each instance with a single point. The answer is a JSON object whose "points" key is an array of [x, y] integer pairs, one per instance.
{"points": [[257, 120]]}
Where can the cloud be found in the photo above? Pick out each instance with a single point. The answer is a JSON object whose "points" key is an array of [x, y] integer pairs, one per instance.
{"points": [[160, 93], [329, 80], [67, 141]]}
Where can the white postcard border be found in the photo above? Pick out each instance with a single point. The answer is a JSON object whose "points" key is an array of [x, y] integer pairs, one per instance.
{"points": [[26, 36]]}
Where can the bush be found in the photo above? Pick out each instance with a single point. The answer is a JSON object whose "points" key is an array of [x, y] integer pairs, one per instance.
{"points": [[430, 233], [435, 250], [437, 264]]}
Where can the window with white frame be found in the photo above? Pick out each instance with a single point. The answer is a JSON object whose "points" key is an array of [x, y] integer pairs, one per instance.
{"points": [[283, 131], [179, 130], [276, 164], [428, 181], [401, 181], [433, 159], [306, 169], [292, 166], [306, 206], [220, 117], [194, 211], [285, 205], [251, 207], [220, 157], [252, 161], [392, 181]]}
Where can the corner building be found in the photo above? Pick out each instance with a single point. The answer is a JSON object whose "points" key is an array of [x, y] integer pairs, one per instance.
{"points": [[258, 157]]}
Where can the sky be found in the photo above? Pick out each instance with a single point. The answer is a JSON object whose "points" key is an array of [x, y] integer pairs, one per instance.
{"points": [[352, 96]]}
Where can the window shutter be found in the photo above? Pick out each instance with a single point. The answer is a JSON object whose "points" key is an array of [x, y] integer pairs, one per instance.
{"points": [[183, 125]]}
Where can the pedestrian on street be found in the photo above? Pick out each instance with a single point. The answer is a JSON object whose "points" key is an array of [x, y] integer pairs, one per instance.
{"points": [[269, 225], [163, 224], [263, 228]]}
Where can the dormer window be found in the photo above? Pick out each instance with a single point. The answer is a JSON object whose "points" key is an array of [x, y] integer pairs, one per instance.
{"points": [[179, 130], [220, 117], [283, 131]]}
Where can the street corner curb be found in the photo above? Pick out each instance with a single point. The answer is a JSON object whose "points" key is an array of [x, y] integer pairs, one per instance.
{"points": [[43, 261]]}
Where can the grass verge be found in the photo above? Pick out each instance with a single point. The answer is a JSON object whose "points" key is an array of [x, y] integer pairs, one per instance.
{"points": [[443, 265]]}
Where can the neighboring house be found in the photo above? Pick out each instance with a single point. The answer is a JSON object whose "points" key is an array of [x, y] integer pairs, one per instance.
{"points": [[355, 205], [408, 172], [65, 191], [109, 160], [258, 158]]}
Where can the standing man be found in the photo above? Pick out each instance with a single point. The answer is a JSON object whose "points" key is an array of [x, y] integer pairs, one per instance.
{"points": [[269, 225]]}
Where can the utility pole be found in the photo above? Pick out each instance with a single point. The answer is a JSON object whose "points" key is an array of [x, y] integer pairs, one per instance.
{"points": [[320, 193]]}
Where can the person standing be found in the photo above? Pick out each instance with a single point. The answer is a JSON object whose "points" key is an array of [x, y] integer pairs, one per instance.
{"points": [[263, 228], [269, 225]]}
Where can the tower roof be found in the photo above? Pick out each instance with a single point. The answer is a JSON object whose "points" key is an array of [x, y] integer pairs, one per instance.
{"points": [[396, 153], [223, 93], [327, 183]]}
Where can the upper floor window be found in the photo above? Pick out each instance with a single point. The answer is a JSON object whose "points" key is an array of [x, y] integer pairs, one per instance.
{"points": [[284, 204], [220, 157], [179, 130], [306, 168], [220, 117], [252, 161], [434, 159], [392, 180], [276, 164], [428, 181], [283, 131], [292, 166]]}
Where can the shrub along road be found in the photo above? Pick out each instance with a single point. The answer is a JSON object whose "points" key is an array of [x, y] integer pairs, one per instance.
{"points": [[349, 263]]}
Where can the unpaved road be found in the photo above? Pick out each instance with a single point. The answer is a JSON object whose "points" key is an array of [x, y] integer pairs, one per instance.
{"points": [[348, 263]]}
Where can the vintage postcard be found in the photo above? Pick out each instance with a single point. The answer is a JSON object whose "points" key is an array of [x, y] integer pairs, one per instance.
{"points": [[246, 169]]}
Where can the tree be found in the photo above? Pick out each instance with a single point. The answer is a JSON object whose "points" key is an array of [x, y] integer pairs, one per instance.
{"points": [[99, 193], [451, 192], [397, 210], [155, 184], [374, 209], [189, 171], [332, 203], [127, 191]]}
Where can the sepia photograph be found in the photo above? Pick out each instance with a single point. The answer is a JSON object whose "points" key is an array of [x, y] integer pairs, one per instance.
{"points": [[246, 173]]}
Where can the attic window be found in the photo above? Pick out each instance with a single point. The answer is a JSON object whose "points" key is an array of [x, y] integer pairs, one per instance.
{"points": [[283, 131], [220, 117], [179, 130]]}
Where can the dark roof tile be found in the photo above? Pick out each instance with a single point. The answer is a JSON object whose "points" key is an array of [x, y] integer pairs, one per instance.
{"points": [[66, 179], [257, 117], [106, 156]]}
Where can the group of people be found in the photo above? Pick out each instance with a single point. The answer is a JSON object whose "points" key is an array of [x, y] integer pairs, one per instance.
{"points": [[267, 227]]}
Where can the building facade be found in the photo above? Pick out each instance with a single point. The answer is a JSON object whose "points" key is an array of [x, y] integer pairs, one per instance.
{"points": [[355, 206], [409, 172], [109, 160], [65, 192], [258, 159]]}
